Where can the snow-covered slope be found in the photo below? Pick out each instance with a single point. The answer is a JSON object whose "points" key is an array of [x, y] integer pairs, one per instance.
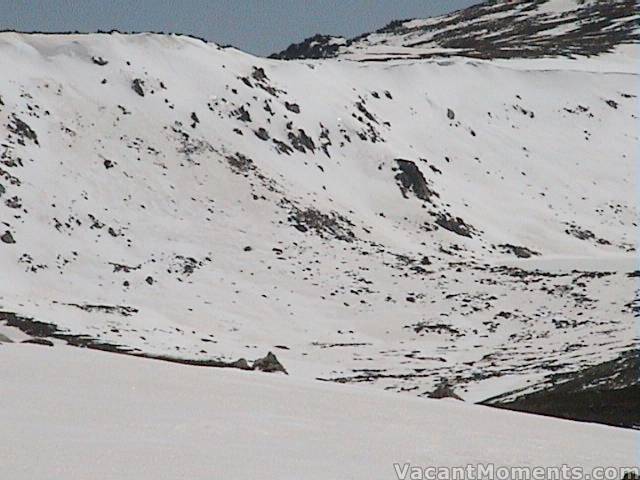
{"points": [[495, 29], [139, 419], [404, 223]]}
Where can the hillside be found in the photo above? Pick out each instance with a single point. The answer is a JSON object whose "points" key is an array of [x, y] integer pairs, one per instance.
{"points": [[497, 29], [467, 222]]}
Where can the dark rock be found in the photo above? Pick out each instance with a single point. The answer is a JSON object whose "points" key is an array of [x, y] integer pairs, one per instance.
{"points": [[301, 141], [292, 107], [606, 393], [7, 237], [22, 130], [410, 178], [444, 390], [99, 61], [259, 75], [149, 280], [318, 46], [268, 364], [451, 114], [455, 225], [322, 224], [241, 363], [520, 252], [282, 147], [262, 134], [5, 339], [39, 341], [123, 310], [138, 86], [242, 114], [579, 232], [239, 163]]}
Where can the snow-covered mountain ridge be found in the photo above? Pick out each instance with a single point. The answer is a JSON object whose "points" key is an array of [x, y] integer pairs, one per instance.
{"points": [[404, 223], [490, 30]]}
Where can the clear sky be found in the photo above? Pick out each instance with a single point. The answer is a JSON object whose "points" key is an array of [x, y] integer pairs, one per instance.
{"points": [[257, 26]]}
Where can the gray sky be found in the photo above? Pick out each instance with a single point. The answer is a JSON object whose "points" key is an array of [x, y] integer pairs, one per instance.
{"points": [[257, 26]]}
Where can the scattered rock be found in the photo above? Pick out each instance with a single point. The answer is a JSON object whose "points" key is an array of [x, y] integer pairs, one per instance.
{"points": [[22, 130], [322, 224], [520, 252], [301, 141], [242, 114]]}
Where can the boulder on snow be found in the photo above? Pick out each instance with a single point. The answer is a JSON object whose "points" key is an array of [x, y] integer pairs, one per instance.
{"points": [[444, 390], [39, 341], [137, 86], [6, 237], [5, 339], [241, 363], [270, 364]]}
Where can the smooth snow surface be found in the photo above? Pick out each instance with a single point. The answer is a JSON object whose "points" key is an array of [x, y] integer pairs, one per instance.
{"points": [[76, 415]]}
